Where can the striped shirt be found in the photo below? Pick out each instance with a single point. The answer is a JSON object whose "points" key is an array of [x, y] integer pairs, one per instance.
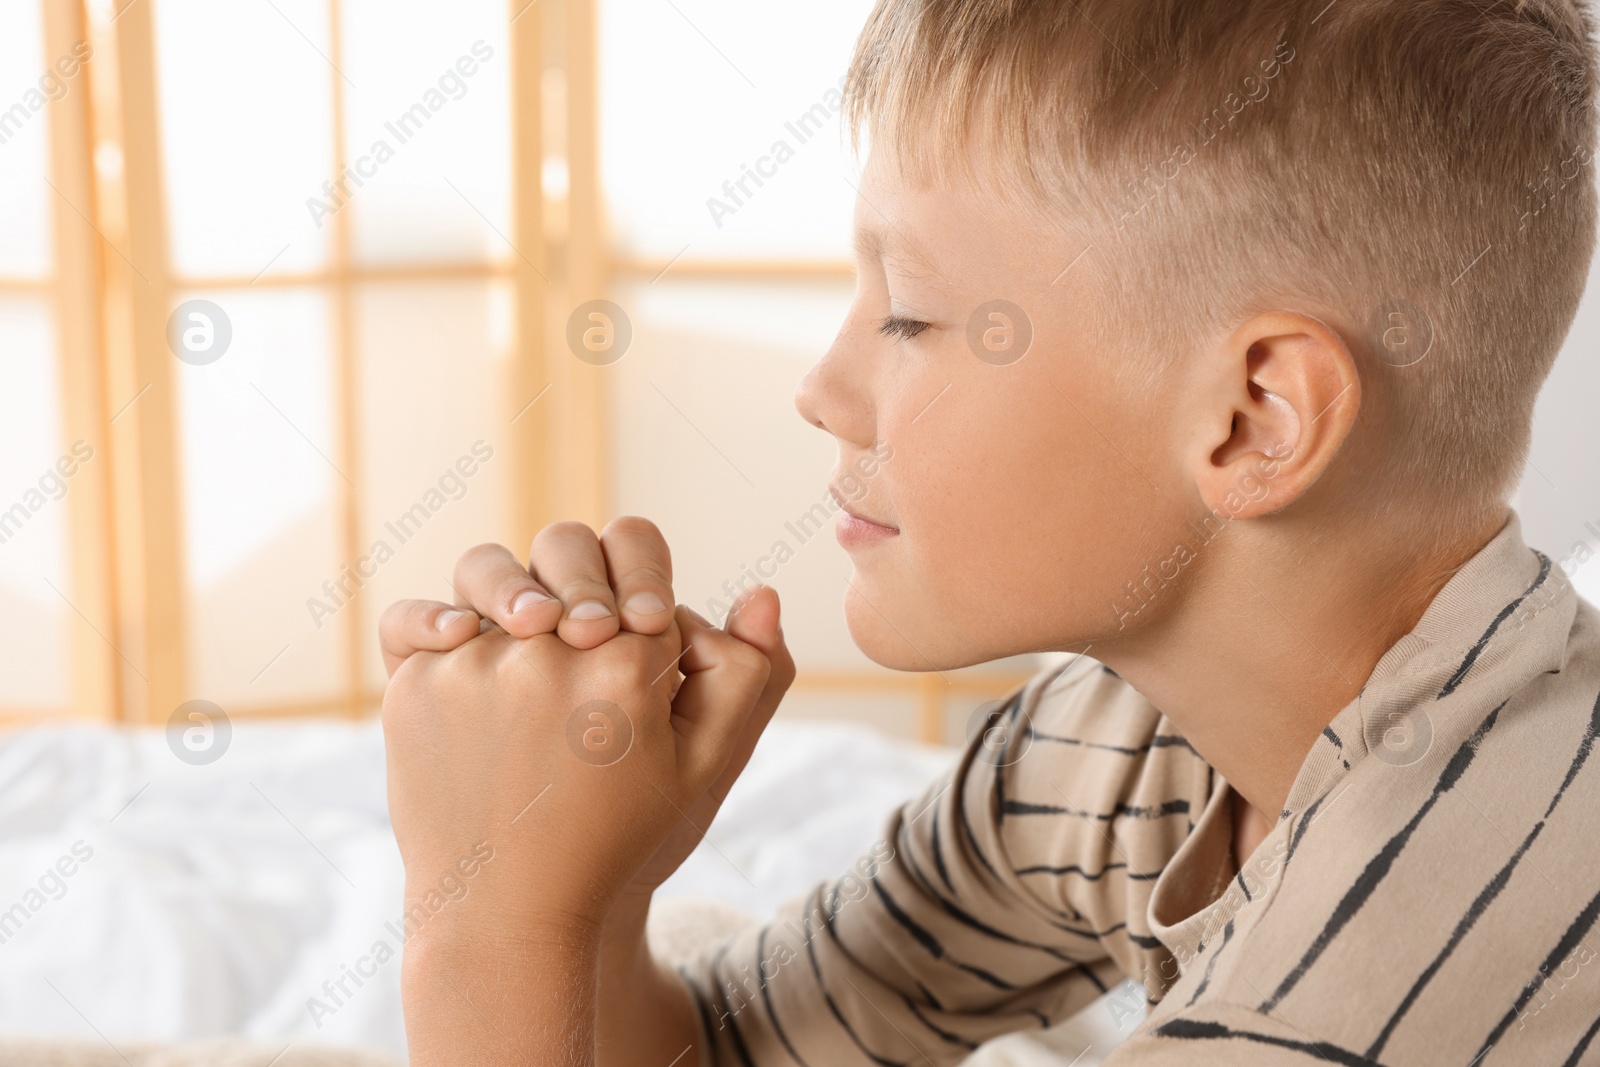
{"points": [[1429, 895]]}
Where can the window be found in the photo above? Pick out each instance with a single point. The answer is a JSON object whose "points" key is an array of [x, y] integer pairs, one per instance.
{"points": [[287, 288]]}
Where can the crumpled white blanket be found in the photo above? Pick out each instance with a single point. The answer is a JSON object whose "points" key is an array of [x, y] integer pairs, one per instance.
{"points": [[145, 899]]}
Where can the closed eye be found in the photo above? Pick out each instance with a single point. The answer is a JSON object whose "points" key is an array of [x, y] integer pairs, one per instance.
{"points": [[897, 326]]}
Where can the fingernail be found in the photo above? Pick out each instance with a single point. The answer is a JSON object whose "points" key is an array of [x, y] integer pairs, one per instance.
{"points": [[447, 618], [527, 599], [645, 604], [699, 618], [589, 609]]}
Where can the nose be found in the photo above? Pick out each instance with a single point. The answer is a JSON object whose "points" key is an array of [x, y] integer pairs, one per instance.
{"points": [[835, 395], [808, 396]]}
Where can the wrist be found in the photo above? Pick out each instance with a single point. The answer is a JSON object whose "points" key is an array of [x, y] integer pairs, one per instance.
{"points": [[486, 998], [527, 941]]}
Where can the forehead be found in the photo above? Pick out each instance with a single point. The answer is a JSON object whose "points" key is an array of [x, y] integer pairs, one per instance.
{"points": [[912, 223], [953, 227]]}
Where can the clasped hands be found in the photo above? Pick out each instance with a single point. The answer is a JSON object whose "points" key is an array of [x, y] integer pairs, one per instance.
{"points": [[586, 737]]}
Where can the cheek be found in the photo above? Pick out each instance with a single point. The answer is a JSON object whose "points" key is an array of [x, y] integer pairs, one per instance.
{"points": [[1021, 523]]}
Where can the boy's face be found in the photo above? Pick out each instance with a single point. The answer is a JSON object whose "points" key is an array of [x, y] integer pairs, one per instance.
{"points": [[1022, 493]]}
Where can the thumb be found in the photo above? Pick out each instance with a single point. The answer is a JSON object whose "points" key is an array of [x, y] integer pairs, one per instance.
{"points": [[754, 619], [724, 678]]}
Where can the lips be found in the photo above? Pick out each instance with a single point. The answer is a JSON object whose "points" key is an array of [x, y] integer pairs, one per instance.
{"points": [[858, 531]]}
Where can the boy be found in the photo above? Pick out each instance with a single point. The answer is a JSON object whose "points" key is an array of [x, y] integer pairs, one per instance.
{"points": [[1204, 337]]}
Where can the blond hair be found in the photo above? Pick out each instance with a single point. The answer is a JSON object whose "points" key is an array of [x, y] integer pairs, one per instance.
{"points": [[1378, 163]]}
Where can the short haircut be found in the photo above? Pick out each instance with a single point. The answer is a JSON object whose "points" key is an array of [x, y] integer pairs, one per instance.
{"points": [[1418, 164]]}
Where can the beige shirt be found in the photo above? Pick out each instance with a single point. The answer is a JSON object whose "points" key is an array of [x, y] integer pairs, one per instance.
{"points": [[1428, 896]]}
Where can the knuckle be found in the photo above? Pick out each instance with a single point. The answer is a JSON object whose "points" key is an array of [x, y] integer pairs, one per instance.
{"points": [[477, 556], [631, 526], [636, 673], [585, 587], [644, 572], [511, 584], [395, 616], [629, 665], [564, 530], [400, 698], [748, 660]]}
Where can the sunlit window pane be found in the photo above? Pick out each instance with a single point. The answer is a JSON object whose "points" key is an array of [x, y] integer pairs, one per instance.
{"points": [[720, 128], [246, 112], [261, 502], [436, 426], [27, 86], [35, 619], [428, 133]]}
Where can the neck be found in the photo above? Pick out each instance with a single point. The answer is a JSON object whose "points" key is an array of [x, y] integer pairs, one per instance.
{"points": [[1273, 634]]}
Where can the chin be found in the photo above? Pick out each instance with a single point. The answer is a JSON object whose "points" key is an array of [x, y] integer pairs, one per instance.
{"points": [[903, 645], [886, 644]]}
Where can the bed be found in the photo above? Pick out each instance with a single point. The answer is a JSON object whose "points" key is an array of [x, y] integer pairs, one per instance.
{"points": [[228, 901]]}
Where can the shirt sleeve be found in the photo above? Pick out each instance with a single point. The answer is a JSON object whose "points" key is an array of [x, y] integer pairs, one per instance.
{"points": [[1007, 896]]}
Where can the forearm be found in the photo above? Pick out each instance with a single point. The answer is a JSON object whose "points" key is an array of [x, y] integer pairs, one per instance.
{"points": [[475, 1000], [646, 1016]]}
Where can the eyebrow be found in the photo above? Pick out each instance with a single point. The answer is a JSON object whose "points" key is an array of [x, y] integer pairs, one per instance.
{"points": [[886, 244]]}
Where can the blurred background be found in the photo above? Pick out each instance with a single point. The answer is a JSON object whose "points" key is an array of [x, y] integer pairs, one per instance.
{"points": [[390, 214], [299, 299]]}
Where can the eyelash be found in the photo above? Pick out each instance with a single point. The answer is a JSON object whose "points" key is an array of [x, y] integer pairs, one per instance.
{"points": [[894, 326]]}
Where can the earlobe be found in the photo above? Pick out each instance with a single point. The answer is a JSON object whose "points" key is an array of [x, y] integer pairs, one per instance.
{"points": [[1292, 392]]}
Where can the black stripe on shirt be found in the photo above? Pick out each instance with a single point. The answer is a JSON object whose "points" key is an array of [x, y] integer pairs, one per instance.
{"points": [[1563, 948], [1378, 867], [1582, 1046], [1487, 895], [728, 1011], [1305, 824], [1132, 811], [1003, 761], [927, 995], [969, 833], [1198, 1030], [932, 944], [938, 855], [943, 1035], [1089, 934], [1211, 964], [1483, 642], [1158, 741], [698, 996], [833, 1007], [766, 998], [1092, 876], [962, 916]]}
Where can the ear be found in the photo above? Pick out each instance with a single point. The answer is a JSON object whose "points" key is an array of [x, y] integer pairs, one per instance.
{"points": [[1282, 398]]}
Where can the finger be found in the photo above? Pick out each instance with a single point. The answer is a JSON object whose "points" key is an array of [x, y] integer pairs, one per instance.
{"points": [[409, 626], [495, 584], [639, 567], [756, 620], [724, 680], [567, 561]]}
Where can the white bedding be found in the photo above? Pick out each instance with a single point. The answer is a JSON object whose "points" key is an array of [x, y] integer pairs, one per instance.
{"points": [[220, 900]]}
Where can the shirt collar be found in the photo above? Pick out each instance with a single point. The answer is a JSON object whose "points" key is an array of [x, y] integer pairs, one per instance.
{"points": [[1500, 620]]}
